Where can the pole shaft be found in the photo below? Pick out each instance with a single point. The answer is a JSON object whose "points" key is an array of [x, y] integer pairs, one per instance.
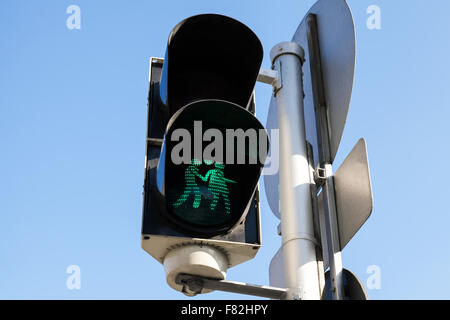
{"points": [[297, 229], [325, 160], [333, 245]]}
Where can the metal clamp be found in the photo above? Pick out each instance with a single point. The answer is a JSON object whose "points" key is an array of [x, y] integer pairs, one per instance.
{"points": [[271, 77], [155, 142], [322, 173], [193, 284], [304, 236]]}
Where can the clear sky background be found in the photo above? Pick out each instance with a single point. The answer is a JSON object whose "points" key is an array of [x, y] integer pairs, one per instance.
{"points": [[73, 113]]}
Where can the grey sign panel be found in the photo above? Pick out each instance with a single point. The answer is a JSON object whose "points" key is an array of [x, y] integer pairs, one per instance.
{"points": [[276, 270], [336, 35], [272, 182], [337, 47], [353, 287], [353, 189]]}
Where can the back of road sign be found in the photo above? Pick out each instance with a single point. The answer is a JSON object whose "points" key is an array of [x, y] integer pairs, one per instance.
{"points": [[353, 193], [272, 182], [353, 288], [276, 270], [336, 34]]}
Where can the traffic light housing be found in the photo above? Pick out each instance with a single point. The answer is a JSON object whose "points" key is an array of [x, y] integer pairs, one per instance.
{"points": [[205, 150]]}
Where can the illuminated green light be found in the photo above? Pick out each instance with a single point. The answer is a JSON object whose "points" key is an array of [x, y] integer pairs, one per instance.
{"points": [[217, 187], [191, 172], [202, 195]]}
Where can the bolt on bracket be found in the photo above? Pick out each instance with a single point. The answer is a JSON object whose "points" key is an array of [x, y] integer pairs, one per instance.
{"points": [[193, 284], [269, 76]]}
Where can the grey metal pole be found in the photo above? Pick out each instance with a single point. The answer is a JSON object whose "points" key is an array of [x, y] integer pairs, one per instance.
{"points": [[332, 232], [297, 229]]}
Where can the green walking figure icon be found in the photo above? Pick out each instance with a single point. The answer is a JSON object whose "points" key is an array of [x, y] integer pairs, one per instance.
{"points": [[218, 186], [191, 172]]}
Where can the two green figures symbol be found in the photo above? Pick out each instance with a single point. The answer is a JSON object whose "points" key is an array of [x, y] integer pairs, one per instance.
{"points": [[217, 185]]}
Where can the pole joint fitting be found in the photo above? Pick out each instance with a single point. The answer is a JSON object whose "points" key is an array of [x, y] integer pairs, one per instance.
{"points": [[321, 173], [300, 236], [287, 47]]}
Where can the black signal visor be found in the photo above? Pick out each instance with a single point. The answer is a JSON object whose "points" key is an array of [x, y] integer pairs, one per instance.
{"points": [[210, 56]]}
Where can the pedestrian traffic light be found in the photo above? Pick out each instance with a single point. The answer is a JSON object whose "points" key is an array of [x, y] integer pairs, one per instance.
{"points": [[208, 192], [205, 150]]}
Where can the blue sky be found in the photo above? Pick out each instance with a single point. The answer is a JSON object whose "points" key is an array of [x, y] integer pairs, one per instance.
{"points": [[72, 136]]}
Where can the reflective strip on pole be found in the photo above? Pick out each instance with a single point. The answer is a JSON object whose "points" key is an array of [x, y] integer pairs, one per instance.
{"points": [[298, 242]]}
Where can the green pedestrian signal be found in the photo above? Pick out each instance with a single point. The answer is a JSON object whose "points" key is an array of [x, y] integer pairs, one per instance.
{"points": [[191, 186], [208, 193], [201, 198], [203, 193], [217, 185]]}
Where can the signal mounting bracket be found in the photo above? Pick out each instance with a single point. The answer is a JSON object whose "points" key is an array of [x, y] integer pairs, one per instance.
{"points": [[272, 77], [321, 173], [193, 285]]}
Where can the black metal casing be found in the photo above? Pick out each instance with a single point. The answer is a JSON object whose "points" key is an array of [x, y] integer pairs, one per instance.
{"points": [[207, 57]]}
